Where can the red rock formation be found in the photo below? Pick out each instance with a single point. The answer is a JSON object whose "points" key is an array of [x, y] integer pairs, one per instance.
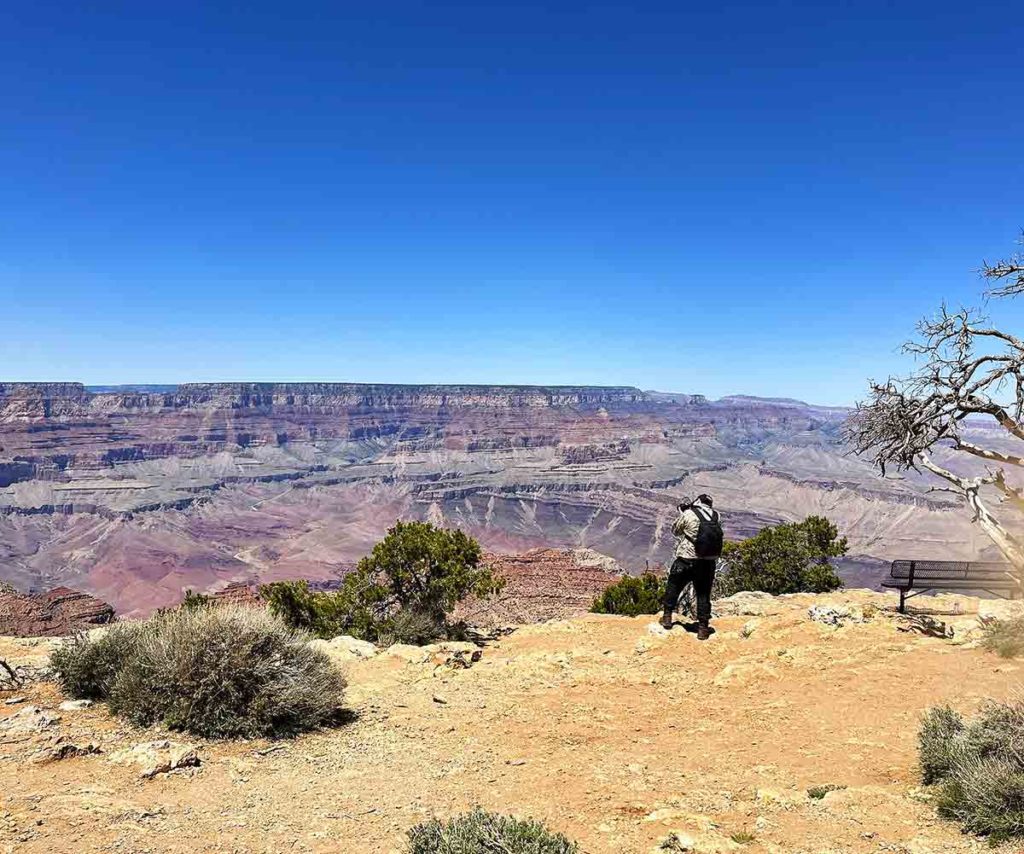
{"points": [[240, 593], [542, 584], [57, 612]]}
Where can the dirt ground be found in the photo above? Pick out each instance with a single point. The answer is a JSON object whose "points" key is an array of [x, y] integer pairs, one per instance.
{"points": [[608, 732]]}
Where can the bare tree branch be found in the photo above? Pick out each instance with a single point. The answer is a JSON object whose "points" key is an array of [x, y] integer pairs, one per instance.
{"points": [[1010, 271], [967, 369]]}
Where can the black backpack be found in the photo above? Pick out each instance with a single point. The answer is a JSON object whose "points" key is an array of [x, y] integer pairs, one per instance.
{"points": [[710, 537]]}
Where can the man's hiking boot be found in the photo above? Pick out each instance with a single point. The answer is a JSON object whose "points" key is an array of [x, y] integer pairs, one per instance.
{"points": [[703, 632], [666, 619]]}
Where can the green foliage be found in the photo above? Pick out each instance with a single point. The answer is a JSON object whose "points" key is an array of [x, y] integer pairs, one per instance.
{"points": [[196, 600], [939, 731], [480, 832], [978, 768], [229, 671], [406, 587], [788, 558], [86, 668], [632, 596], [818, 792], [320, 613], [1005, 637], [743, 837]]}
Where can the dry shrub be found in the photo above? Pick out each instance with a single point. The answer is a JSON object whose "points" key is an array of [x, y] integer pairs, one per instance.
{"points": [[1005, 637], [229, 671], [87, 667], [978, 767], [480, 832]]}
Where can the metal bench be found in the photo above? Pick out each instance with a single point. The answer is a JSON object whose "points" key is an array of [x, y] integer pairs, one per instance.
{"points": [[923, 576]]}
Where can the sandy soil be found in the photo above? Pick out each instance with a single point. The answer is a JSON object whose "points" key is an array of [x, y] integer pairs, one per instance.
{"points": [[609, 733]]}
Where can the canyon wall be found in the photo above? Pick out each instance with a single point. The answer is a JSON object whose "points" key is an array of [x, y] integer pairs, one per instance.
{"points": [[134, 494]]}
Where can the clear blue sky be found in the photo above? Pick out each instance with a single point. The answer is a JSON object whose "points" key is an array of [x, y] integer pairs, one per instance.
{"points": [[714, 197]]}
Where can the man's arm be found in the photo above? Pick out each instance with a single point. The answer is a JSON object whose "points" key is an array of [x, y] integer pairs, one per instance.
{"points": [[687, 525]]}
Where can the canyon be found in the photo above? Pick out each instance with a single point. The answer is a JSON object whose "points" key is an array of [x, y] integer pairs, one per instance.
{"points": [[135, 494]]}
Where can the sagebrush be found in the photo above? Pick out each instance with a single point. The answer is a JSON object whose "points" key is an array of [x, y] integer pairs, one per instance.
{"points": [[227, 671], [1005, 637], [481, 832], [977, 767]]}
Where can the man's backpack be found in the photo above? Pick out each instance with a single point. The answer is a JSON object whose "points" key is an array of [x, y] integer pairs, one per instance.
{"points": [[710, 537]]}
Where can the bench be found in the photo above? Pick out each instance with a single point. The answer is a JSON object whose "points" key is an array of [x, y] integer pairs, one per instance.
{"points": [[923, 576]]}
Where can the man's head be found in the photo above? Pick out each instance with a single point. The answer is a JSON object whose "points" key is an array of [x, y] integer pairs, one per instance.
{"points": [[704, 498]]}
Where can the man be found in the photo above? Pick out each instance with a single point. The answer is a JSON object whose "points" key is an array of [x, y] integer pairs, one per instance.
{"points": [[698, 532]]}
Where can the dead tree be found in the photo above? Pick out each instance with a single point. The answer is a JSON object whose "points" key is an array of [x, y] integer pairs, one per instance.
{"points": [[968, 370]]}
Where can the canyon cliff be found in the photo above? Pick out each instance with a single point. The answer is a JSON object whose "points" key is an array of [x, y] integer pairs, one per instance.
{"points": [[134, 494]]}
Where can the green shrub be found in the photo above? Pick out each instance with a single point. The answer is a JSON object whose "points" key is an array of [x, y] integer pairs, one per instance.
{"points": [[229, 671], [632, 596], [322, 614], [196, 600], [978, 767], [1005, 637], [939, 731], [818, 792], [409, 585], [788, 558], [480, 832]]}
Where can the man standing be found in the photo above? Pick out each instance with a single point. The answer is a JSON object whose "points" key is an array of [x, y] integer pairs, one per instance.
{"points": [[698, 532]]}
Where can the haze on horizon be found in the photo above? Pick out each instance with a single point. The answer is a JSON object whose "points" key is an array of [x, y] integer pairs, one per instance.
{"points": [[747, 199]]}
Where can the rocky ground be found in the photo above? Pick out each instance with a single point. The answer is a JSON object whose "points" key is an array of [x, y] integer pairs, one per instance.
{"points": [[609, 729]]}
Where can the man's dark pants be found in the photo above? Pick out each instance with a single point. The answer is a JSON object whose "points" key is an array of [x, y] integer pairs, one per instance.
{"points": [[702, 574]]}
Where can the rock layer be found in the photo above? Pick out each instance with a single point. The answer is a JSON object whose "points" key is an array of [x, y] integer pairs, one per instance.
{"points": [[137, 494], [54, 613]]}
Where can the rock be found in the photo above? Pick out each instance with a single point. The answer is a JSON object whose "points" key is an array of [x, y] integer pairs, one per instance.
{"points": [[835, 615], [922, 624], [458, 655], [157, 757], [749, 627], [64, 750], [75, 705], [541, 585], [30, 719], [1000, 609], [967, 631], [749, 603], [454, 654], [57, 612], [409, 653], [682, 842], [657, 629], [14, 701], [677, 841], [344, 649]]}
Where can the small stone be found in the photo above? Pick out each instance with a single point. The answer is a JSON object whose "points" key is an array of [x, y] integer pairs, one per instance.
{"points": [[158, 757], [75, 705], [440, 700], [835, 615], [29, 719], [65, 750]]}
